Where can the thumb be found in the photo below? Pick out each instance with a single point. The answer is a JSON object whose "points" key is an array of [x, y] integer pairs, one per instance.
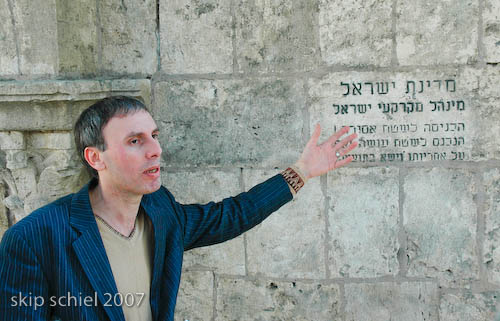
{"points": [[315, 136]]}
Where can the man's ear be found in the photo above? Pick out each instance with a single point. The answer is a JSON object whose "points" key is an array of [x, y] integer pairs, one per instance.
{"points": [[94, 158]]}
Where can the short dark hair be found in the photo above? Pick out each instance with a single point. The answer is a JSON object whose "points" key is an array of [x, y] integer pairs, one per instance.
{"points": [[88, 127]]}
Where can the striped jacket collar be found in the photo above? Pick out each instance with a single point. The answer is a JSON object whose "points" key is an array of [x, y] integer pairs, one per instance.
{"points": [[91, 253]]}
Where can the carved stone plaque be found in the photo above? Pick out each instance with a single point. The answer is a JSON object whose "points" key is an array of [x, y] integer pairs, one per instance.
{"points": [[400, 117]]}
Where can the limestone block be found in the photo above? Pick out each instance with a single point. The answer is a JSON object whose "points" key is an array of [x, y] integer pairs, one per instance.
{"points": [[439, 220], [196, 37], [72, 90], [43, 116], [36, 26], [486, 145], [9, 64], [202, 187], [412, 116], [16, 159], [488, 82], [196, 296], [491, 38], [77, 37], [230, 122], [128, 36], [291, 242], [274, 36], [12, 140], [491, 250], [355, 32], [363, 218], [446, 32], [55, 105], [469, 306], [246, 300], [406, 301], [223, 258], [56, 140]]}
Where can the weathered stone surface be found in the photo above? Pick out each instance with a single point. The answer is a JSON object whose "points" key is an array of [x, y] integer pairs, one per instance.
{"points": [[406, 116], [77, 37], [25, 179], [363, 215], [230, 122], [74, 90], [291, 242], [489, 79], [274, 36], [55, 105], [491, 249], [12, 140], [491, 22], [202, 187], [36, 177], [439, 220], [4, 222], [15, 206], [57, 140], [55, 183], [195, 299], [43, 116], [61, 159], [196, 37], [446, 32], [9, 64], [469, 306], [355, 32], [274, 300], [391, 301], [486, 145], [36, 26], [16, 159], [31, 203], [128, 36]]}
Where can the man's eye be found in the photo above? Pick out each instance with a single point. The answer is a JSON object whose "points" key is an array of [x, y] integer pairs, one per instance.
{"points": [[155, 136], [134, 141]]}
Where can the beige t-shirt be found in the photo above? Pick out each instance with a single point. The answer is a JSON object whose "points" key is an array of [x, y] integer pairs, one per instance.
{"points": [[131, 263]]}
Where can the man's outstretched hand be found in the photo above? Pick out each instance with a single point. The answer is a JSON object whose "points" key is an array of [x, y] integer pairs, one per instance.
{"points": [[318, 159]]}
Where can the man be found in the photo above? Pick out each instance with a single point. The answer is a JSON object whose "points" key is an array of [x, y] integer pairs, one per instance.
{"points": [[113, 251]]}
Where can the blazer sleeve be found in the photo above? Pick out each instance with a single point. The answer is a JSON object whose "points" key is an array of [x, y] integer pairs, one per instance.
{"points": [[24, 289], [218, 222]]}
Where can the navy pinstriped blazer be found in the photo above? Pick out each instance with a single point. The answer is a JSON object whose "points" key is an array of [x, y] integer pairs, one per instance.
{"points": [[53, 262]]}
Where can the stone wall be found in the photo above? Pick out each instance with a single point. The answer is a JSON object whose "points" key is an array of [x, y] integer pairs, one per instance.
{"points": [[409, 231]]}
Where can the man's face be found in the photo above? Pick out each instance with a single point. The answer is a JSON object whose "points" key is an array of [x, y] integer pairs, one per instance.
{"points": [[132, 155]]}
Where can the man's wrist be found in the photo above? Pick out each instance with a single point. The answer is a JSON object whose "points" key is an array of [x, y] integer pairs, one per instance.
{"points": [[301, 170], [295, 178]]}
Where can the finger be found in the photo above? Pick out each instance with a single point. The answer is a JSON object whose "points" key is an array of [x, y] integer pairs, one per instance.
{"points": [[315, 136], [345, 141], [344, 161], [332, 139], [348, 149]]}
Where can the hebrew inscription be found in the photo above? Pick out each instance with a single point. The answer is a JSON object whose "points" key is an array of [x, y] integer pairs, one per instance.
{"points": [[398, 120]]}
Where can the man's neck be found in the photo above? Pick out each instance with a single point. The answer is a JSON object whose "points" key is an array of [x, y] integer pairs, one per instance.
{"points": [[118, 209]]}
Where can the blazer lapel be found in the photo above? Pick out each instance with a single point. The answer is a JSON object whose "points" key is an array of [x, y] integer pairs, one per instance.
{"points": [[160, 236], [92, 254]]}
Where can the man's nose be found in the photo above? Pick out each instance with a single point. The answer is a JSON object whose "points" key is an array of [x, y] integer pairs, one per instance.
{"points": [[154, 149]]}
